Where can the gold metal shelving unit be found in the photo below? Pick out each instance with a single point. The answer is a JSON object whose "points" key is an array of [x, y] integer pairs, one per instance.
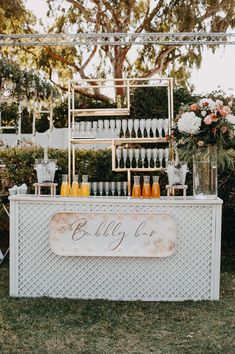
{"points": [[127, 84]]}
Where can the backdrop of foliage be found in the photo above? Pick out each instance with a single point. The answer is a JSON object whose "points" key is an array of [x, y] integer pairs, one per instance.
{"points": [[97, 164]]}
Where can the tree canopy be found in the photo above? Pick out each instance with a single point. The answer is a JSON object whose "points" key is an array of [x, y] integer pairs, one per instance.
{"points": [[135, 16]]}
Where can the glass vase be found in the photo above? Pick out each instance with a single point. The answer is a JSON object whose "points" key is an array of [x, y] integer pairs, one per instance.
{"points": [[205, 173]]}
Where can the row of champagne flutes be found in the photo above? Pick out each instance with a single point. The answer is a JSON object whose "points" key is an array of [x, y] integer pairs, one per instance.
{"points": [[132, 128], [109, 188], [145, 158]]}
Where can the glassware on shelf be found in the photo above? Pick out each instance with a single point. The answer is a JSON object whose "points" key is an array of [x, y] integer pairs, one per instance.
{"points": [[136, 191], [166, 156], [130, 154], [149, 156], [124, 155], [130, 124], [107, 187], [166, 127], [136, 127], [124, 187], [88, 128], [148, 127], [100, 125], [146, 189], [64, 190], [75, 187], [119, 188], [160, 156], [85, 186], [118, 127], [155, 156], [142, 155], [112, 127], [142, 127], [113, 188], [100, 188], [124, 127], [118, 156], [160, 123], [106, 126], [94, 128], [94, 188], [156, 187], [137, 157], [82, 128], [154, 127]]}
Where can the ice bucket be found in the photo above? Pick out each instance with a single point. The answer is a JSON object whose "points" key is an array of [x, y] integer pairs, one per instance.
{"points": [[176, 172], [45, 170]]}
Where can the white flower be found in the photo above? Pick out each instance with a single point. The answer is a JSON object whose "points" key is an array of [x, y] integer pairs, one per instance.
{"points": [[203, 113], [208, 103], [231, 120], [189, 123]]}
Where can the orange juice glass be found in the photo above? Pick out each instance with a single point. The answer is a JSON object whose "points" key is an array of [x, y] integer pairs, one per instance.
{"points": [[156, 187], [146, 189], [85, 187], [64, 190], [75, 187], [136, 191]]}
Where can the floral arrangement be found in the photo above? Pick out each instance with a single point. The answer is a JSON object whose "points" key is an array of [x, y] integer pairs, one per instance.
{"points": [[204, 123]]}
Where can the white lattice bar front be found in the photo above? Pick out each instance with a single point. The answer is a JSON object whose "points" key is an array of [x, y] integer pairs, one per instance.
{"points": [[190, 271]]}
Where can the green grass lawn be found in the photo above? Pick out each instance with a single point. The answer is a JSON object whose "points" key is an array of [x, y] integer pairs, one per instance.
{"points": [[44, 325]]}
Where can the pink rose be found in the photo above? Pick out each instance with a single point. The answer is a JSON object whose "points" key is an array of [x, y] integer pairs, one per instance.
{"points": [[227, 109], [208, 120], [193, 107], [223, 112]]}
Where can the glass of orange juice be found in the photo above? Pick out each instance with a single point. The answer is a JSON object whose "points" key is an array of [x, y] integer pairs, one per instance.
{"points": [[85, 187], [64, 190], [75, 187], [136, 191], [156, 187], [146, 190]]}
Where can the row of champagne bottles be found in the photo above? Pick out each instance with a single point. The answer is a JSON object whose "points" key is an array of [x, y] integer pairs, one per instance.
{"points": [[85, 188]]}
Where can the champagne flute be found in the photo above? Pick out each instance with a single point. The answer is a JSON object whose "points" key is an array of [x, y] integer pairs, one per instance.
{"points": [[142, 154], [82, 128], [124, 154], [149, 155], [94, 127], [160, 156], [88, 128], [100, 125], [136, 127], [113, 188], [131, 154], [155, 155], [166, 127], [160, 123], [107, 185], [106, 126], [119, 188], [118, 126], [112, 127], [124, 187], [137, 156], [142, 127], [118, 156], [100, 188], [148, 127], [94, 188], [124, 127], [130, 124], [166, 155], [154, 127]]}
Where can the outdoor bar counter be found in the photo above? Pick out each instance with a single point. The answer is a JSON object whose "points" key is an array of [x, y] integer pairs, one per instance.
{"points": [[115, 248]]}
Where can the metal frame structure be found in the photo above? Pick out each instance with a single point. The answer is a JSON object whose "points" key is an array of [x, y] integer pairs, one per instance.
{"points": [[128, 84], [66, 39]]}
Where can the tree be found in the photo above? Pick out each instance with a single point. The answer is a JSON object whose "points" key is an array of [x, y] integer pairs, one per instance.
{"points": [[138, 16]]}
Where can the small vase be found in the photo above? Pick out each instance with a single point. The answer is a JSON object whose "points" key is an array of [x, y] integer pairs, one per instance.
{"points": [[205, 173]]}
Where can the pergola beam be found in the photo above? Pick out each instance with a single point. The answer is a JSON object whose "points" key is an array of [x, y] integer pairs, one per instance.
{"points": [[114, 39]]}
